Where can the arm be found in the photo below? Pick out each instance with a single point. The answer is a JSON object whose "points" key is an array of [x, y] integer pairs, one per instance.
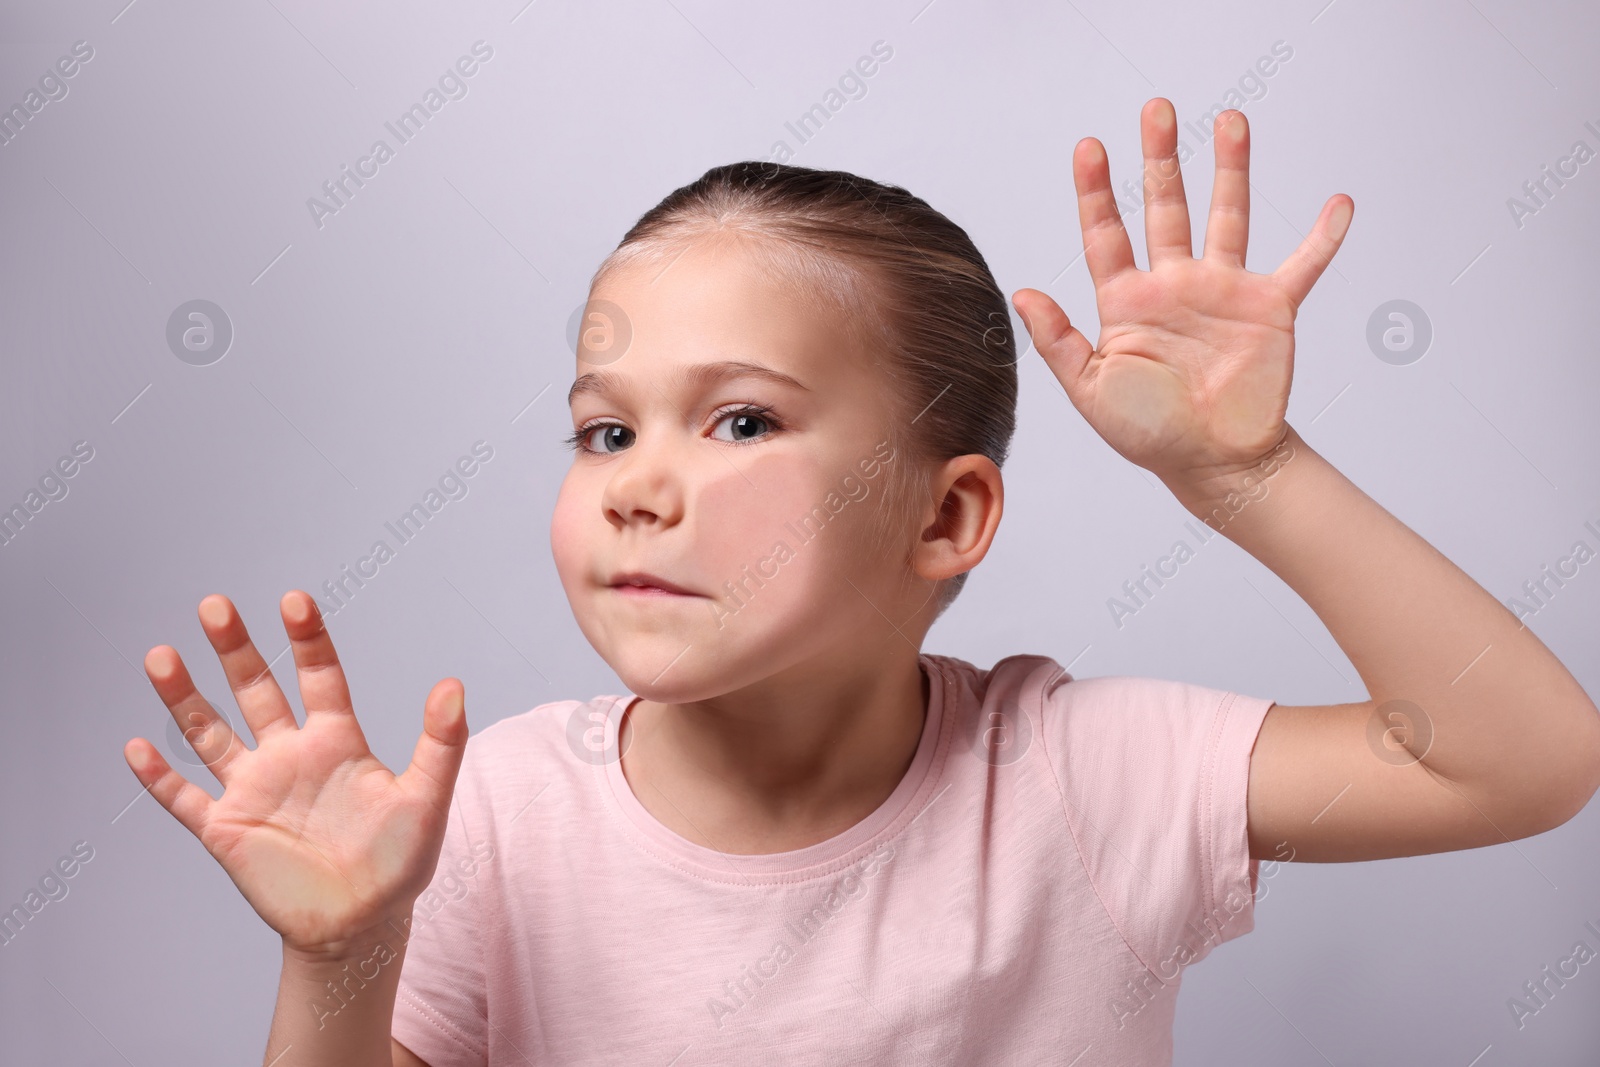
{"points": [[1473, 733], [404, 1057], [1190, 380], [347, 1027]]}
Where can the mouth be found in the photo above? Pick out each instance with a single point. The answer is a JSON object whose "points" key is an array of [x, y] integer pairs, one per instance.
{"points": [[642, 584]]}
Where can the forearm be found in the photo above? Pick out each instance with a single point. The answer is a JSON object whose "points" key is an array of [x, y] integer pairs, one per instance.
{"points": [[338, 1009], [1502, 707]]}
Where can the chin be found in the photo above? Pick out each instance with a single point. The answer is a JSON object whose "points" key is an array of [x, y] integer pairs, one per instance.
{"points": [[657, 667], [692, 676], [771, 635]]}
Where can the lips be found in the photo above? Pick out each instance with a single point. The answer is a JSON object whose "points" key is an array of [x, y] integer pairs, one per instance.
{"points": [[644, 583]]}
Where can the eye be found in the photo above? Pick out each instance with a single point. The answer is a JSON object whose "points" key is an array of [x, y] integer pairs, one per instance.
{"points": [[614, 437], [740, 425], [746, 424]]}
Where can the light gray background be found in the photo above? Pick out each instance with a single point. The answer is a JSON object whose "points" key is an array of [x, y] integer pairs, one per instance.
{"points": [[370, 353]]}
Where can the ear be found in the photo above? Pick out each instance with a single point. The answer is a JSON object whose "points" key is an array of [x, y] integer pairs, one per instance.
{"points": [[956, 534]]}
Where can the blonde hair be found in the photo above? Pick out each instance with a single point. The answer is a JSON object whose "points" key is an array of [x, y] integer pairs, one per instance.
{"points": [[912, 289]]}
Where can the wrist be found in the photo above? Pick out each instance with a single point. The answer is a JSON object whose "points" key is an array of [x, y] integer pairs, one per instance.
{"points": [[1220, 499], [392, 932]]}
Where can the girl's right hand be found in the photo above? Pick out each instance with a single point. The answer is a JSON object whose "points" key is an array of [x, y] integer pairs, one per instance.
{"points": [[323, 841]]}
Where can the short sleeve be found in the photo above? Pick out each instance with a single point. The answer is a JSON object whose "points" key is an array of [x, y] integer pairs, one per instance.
{"points": [[1154, 776], [441, 1005]]}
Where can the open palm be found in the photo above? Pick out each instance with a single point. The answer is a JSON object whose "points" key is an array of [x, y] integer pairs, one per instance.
{"points": [[1190, 378], [323, 841]]}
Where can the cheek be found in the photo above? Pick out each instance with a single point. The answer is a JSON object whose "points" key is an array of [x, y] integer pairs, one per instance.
{"points": [[742, 513], [566, 535]]}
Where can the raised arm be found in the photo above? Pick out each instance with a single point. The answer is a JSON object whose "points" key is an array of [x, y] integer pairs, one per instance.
{"points": [[1473, 733]]}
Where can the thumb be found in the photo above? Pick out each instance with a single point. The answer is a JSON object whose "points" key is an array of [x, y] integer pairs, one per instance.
{"points": [[437, 758], [1063, 346]]}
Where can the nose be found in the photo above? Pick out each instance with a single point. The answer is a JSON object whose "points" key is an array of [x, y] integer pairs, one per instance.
{"points": [[645, 488]]}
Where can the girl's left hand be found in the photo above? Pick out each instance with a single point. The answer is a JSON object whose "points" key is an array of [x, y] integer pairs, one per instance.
{"points": [[1190, 379]]}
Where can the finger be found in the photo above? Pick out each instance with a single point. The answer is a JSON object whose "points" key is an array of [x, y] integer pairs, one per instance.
{"points": [[187, 802], [437, 758], [1228, 225], [1105, 242], [262, 703], [1298, 273], [1166, 209], [323, 689], [212, 739], [1064, 348]]}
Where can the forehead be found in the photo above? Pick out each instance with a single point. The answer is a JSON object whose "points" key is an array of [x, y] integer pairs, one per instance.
{"points": [[707, 301]]}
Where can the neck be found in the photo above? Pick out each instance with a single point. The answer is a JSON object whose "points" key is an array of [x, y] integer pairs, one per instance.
{"points": [[788, 762]]}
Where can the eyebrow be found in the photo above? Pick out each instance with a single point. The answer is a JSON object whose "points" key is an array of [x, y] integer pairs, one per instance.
{"points": [[699, 375]]}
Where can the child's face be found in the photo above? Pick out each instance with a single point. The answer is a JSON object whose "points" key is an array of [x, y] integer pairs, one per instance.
{"points": [[698, 491]]}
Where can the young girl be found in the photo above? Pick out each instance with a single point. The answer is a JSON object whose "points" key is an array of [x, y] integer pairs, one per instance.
{"points": [[797, 839]]}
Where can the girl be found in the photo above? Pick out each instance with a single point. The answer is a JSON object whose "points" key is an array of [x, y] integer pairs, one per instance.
{"points": [[798, 839]]}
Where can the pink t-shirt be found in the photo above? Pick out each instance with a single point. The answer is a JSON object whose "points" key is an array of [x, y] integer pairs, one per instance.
{"points": [[1059, 849]]}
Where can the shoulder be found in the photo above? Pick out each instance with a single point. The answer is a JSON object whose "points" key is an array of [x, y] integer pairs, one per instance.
{"points": [[1138, 697], [1012, 678], [1037, 682], [1102, 711], [1120, 732]]}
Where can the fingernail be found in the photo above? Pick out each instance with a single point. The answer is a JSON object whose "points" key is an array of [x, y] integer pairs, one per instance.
{"points": [[1339, 221], [214, 612]]}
